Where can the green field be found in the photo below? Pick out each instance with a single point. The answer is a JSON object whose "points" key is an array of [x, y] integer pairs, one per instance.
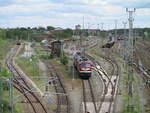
{"points": [[5, 46], [28, 65]]}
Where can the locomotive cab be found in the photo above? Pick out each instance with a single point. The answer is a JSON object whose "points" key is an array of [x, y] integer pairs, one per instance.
{"points": [[83, 66], [18, 42], [85, 70]]}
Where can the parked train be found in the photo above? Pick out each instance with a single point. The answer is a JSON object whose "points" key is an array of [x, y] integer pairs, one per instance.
{"points": [[18, 42], [120, 38], [83, 66], [108, 44]]}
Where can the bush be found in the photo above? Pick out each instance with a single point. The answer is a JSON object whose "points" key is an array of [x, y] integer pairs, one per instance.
{"points": [[64, 60], [5, 73], [5, 104]]}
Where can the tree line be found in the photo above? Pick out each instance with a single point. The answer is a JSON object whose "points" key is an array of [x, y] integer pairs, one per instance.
{"points": [[38, 33]]}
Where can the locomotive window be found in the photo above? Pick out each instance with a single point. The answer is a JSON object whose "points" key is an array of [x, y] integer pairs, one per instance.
{"points": [[85, 65], [78, 53]]}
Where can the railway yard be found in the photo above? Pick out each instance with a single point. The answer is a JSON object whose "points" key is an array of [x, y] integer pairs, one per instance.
{"points": [[74, 56], [59, 88]]}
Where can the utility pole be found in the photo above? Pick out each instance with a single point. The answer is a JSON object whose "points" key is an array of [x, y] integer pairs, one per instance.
{"points": [[98, 26], [130, 60], [1, 91], [102, 25], [125, 39], [11, 94], [83, 22], [116, 29], [28, 54], [97, 29], [88, 29], [81, 38], [124, 26]]}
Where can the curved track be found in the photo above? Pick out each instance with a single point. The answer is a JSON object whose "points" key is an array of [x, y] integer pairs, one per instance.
{"points": [[63, 104], [21, 84], [110, 84]]}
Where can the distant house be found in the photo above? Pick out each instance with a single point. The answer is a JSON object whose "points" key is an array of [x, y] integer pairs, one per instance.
{"points": [[78, 27], [52, 32], [92, 32], [58, 29]]}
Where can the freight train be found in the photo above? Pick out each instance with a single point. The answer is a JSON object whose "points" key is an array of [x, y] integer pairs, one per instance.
{"points": [[108, 44], [83, 66]]}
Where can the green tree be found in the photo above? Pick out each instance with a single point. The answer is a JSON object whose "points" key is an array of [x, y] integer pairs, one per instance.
{"points": [[4, 73], [49, 28]]}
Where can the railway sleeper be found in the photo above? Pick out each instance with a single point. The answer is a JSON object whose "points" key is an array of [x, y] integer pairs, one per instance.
{"points": [[107, 99], [105, 91], [25, 101]]}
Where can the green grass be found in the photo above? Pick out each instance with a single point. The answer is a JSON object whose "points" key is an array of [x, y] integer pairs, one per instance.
{"points": [[64, 70], [17, 105], [5, 100], [135, 98], [136, 82], [5, 46], [41, 53], [29, 67]]}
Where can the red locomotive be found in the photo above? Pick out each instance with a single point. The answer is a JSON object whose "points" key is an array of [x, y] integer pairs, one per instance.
{"points": [[83, 66], [18, 42]]}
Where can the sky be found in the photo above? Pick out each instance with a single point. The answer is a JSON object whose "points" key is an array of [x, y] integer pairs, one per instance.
{"points": [[68, 13]]}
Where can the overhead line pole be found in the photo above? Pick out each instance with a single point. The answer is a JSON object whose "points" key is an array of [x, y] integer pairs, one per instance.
{"points": [[125, 39], [124, 26], [11, 95], [88, 28], [130, 61], [116, 22], [82, 36], [102, 26], [98, 30]]}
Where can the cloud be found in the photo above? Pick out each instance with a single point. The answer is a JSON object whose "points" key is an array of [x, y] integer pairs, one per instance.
{"points": [[65, 13], [5, 2], [131, 3]]}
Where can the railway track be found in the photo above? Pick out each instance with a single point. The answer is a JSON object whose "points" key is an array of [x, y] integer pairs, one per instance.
{"points": [[142, 54], [19, 82], [63, 104], [110, 84], [146, 75], [87, 93], [140, 66]]}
